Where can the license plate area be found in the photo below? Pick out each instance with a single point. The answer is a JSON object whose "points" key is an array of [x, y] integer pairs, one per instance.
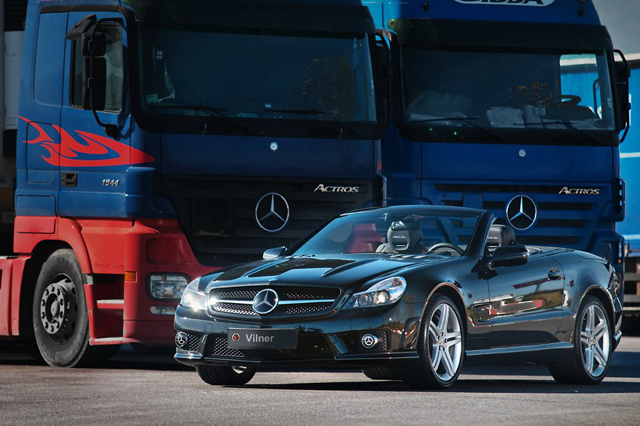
{"points": [[252, 338]]}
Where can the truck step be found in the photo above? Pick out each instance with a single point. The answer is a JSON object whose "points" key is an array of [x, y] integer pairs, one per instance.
{"points": [[108, 341], [111, 304]]}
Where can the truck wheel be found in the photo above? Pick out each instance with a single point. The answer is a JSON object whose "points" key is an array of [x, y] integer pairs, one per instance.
{"points": [[226, 375], [60, 317], [592, 347]]}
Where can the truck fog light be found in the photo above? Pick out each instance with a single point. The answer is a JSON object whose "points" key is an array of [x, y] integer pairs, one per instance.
{"points": [[163, 310], [167, 286]]}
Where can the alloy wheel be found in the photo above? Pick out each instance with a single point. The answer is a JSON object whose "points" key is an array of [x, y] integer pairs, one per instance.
{"points": [[595, 340], [445, 339]]}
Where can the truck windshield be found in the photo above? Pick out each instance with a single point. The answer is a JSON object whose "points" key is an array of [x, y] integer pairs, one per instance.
{"points": [[506, 89], [257, 75]]}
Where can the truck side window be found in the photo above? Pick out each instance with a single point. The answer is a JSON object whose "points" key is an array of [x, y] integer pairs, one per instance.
{"points": [[115, 70]]}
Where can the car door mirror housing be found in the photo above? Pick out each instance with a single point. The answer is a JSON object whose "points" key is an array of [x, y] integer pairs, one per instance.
{"points": [[511, 255], [273, 253]]}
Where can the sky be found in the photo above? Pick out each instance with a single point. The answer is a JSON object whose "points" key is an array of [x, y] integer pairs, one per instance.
{"points": [[622, 19]]}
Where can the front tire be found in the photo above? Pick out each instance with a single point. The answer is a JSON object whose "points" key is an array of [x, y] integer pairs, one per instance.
{"points": [[592, 347], [59, 311], [226, 375], [440, 346]]}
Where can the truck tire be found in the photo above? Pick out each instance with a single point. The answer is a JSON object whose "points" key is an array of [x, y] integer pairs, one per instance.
{"points": [[60, 317], [226, 375]]}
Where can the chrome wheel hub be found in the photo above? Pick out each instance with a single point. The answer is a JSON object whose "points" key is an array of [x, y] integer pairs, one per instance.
{"points": [[445, 338], [595, 340], [55, 305]]}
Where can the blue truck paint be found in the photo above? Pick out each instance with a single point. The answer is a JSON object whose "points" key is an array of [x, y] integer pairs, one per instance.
{"points": [[490, 174], [134, 189]]}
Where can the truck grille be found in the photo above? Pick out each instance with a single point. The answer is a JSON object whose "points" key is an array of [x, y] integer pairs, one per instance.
{"points": [[218, 216], [293, 300], [310, 345], [563, 220]]}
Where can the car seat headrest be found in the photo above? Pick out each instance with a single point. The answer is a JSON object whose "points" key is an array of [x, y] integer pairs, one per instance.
{"points": [[405, 236]]}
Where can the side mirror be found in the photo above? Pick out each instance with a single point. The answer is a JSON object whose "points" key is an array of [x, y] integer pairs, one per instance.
{"points": [[512, 255], [94, 83], [273, 253], [94, 72], [622, 74]]}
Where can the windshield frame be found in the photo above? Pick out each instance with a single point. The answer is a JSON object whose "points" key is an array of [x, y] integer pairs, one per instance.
{"points": [[475, 247], [435, 132], [309, 127]]}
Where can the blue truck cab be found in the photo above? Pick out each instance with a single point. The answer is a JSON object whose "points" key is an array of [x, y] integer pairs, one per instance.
{"points": [[158, 140], [514, 106]]}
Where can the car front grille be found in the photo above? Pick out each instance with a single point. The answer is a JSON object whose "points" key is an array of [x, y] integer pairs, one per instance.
{"points": [[310, 345], [218, 216], [293, 300], [563, 220]]}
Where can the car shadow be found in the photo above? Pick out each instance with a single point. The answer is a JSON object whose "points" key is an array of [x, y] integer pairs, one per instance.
{"points": [[462, 386]]}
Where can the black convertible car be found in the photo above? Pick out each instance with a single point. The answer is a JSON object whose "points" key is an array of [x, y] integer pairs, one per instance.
{"points": [[405, 293]]}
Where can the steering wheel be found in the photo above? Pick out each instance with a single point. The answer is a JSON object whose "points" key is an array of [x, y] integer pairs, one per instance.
{"points": [[438, 246], [573, 100]]}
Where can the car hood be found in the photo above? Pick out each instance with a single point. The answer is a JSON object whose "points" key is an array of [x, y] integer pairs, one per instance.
{"points": [[347, 272]]}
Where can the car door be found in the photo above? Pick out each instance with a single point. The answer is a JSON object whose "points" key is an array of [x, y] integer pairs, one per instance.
{"points": [[525, 302]]}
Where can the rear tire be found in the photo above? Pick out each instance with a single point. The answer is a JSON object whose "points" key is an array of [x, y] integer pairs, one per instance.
{"points": [[440, 346], [592, 347], [59, 314], [226, 375]]}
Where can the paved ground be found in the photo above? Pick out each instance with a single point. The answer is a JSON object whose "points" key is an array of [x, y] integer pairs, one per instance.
{"points": [[154, 390]]}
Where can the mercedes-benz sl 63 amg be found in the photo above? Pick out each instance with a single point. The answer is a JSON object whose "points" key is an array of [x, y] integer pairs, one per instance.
{"points": [[405, 293]]}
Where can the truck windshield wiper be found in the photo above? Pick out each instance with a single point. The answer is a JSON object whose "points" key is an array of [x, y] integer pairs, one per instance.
{"points": [[210, 109], [317, 112], [570, 125], [466, 120]]}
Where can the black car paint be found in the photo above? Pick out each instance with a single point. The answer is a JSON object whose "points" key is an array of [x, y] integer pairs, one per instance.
{"points": [[517, 313]]}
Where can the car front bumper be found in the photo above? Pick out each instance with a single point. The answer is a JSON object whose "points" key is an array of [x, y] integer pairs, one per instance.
{"points": [[333, 341]]}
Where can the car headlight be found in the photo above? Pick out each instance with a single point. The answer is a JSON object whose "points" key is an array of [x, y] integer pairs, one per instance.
{"points": [[192, 298], [167, 286], [386, 292]]}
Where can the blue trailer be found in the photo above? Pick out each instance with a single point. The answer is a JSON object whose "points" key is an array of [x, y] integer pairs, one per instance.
{"points": [[513, 106]]}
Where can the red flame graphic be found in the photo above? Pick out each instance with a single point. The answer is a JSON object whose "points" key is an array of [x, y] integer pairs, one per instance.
{"points": [[66, 152]]}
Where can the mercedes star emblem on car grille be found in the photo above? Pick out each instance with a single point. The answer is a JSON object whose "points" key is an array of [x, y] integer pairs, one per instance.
{"points": [[265, 301], [272, 212], [522, 212]]}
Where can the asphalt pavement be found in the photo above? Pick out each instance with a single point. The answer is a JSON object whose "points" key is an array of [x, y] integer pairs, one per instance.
{"points": [[152, 389]]}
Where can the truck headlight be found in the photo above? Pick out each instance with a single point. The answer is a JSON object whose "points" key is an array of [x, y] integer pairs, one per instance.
{"points": [[192, 298], [386, 292], [167, 286]]}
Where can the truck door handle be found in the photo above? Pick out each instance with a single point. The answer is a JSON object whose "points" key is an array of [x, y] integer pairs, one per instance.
{"points": [[69, 179], [554, 274]]}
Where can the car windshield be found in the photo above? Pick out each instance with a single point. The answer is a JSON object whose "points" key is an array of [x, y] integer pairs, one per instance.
{"points": [[506, 89], [393, 231], [266, 75]]}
